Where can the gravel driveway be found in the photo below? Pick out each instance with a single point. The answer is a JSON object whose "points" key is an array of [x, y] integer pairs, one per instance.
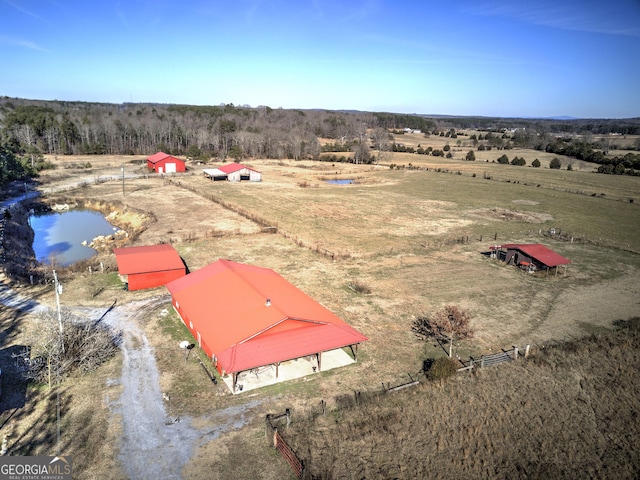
{"points": [[153, 445]]}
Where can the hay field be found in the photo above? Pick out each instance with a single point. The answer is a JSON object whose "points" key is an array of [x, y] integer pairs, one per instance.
{"points": [[395, 231]]}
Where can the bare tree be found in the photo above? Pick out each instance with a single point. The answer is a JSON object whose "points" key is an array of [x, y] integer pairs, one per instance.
{"points": [[446, 324], [382, 142]]}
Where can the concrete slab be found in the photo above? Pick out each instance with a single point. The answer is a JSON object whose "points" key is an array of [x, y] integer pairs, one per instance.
{"points": [[289, 370]]}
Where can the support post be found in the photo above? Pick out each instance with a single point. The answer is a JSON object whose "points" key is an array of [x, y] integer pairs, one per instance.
{"points": [[526, 350]]}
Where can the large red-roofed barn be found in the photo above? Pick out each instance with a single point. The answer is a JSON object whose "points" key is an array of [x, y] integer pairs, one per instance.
{"points": [[149, 266], [246, 317], [164, 163]]}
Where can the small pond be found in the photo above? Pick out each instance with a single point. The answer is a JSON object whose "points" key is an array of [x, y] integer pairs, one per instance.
{"points": [[340, 181], [60, 235]]}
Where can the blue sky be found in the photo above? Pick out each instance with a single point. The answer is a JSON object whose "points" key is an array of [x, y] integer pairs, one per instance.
{"points": [[469, 57]]}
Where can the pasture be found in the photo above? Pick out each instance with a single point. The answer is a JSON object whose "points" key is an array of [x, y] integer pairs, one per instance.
{"points": [[414, 236]]}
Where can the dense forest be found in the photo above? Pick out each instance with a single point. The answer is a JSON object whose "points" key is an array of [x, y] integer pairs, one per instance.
{"points": [[30, 129]]}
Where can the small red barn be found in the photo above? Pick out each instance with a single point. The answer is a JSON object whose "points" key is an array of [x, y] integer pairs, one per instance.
{"points": [[164, 163], [246, 317], [233, 172], [530, 256], [149, 266]]}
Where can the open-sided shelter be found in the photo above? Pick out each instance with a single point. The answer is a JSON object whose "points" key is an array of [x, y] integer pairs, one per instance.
{"points": [[149, 266], [530, 256], [246, 317], [164, 163], [234, 172]]}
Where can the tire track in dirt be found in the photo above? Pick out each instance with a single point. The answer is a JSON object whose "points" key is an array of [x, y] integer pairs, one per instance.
{"points": [[154, 445]]}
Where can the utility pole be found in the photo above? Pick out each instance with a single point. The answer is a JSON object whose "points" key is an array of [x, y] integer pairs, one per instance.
{"points": [[58, 289]]}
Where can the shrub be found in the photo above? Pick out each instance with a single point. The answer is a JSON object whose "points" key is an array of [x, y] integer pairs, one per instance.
{"points": [[555, 163], [536, 163], [441, 368], [359, 287]]}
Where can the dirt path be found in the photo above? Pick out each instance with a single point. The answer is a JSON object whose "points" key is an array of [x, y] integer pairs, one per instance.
{"points": [[152, 445]]}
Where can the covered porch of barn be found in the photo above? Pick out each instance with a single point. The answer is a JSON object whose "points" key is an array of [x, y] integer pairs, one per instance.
{"points": [[290, 370]]}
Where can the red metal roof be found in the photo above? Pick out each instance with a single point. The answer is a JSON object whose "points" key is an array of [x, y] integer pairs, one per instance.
{"points": [[234, 167], [145, 259], [157, 157], [250, 316], [541, 253]]}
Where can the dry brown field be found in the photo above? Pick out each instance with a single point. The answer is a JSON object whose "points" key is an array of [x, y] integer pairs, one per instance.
{"points": [[414, 236]]}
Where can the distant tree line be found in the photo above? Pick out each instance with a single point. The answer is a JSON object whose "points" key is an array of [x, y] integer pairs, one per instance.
{"points": [[627, 126], [31, 128], [198, 132]]}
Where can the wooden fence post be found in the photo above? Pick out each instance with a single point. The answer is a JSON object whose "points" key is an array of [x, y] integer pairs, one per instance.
{"points": [[526, 350], [268, 429], [515, 353]]}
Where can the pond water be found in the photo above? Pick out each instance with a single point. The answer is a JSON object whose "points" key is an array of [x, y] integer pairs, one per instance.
{"points": [[340, 182], [60, 235]]}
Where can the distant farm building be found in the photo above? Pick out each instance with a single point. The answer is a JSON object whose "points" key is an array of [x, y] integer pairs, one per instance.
{"points": [[164, 163], [530, 257], [149, 266], [252, 322], [233, 172]]}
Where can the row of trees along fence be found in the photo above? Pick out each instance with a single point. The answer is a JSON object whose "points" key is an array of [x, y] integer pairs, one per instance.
{"points": [[274, 438]]}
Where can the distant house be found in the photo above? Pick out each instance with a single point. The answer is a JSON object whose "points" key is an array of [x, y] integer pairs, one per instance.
{"points": [[233, 172], [164, 163], [530, 257], [246, 318], [149, 266]]}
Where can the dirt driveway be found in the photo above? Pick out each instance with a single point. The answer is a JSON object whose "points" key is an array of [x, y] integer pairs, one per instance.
{"points": [[153, 445]]}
